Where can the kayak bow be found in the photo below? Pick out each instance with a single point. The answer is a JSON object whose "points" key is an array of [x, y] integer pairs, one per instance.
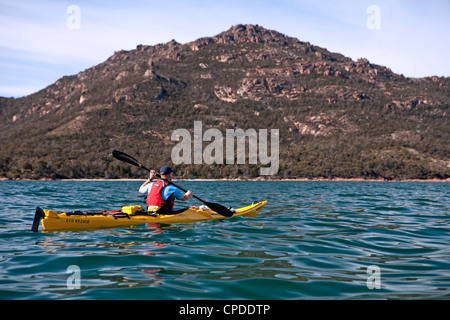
{"points": [[128, 216]]}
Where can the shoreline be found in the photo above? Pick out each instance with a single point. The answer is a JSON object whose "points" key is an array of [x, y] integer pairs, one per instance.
{"points": [[241, 179]]}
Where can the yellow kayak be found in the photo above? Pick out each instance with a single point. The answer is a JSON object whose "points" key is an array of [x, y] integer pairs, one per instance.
{"points": [[131, 215]]}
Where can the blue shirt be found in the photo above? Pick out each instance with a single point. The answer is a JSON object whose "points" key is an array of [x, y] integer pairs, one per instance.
{"points": [[166, 192]]}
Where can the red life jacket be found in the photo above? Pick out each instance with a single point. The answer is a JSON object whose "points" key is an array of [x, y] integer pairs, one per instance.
{"points": [[155, 198]]}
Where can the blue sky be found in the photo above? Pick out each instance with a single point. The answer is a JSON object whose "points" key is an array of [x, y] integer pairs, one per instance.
{"points": [[41, 41]]}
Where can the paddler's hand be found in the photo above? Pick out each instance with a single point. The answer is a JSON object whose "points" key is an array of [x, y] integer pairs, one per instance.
{"points": [[189, 194], [152, 175]]}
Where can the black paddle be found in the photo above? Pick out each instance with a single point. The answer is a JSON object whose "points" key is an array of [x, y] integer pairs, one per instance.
{"points": [[213, 206]]}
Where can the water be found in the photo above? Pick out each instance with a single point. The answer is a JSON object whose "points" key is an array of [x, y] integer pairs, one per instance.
{"points": [[313, 240]]}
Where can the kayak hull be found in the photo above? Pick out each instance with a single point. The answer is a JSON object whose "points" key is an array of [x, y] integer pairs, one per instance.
{"points": [[65, 221]]}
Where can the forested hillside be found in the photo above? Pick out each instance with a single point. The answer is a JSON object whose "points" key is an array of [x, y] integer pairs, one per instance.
{"points": [[337, 118]]}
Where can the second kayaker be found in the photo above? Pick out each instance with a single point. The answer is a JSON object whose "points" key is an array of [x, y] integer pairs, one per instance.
{"points": [[161, 194]]}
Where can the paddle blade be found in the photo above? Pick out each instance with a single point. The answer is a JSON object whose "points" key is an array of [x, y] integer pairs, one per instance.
{"points": [[127, 158], [220, 209]]}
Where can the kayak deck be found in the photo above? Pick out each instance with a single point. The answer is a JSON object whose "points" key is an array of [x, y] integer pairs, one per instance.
{"points": [[106, 219]]}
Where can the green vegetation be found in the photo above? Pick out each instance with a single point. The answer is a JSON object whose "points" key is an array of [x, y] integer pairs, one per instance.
{"points": [[337, 118]]}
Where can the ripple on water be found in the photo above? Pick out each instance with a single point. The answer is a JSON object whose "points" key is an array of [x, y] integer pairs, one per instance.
{"points": [[314, 240]]}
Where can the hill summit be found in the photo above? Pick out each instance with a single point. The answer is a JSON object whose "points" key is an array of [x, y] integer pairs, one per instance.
{"points": [[337, 118]]}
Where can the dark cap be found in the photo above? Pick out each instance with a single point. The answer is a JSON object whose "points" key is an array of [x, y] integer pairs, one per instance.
{"points": [[166, 170]]}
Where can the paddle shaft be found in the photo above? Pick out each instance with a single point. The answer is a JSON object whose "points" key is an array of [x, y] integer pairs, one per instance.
{"points": [[214, 206], [159, 176]]}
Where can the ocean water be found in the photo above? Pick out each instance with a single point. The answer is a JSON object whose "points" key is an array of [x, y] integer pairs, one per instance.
{"points": [[313, 240]]}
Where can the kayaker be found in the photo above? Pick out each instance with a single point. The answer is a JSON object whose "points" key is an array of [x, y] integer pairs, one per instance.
{"points": [[161, 193]]}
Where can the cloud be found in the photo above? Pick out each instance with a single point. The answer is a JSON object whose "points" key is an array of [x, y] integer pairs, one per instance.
{"points": [[35, 38]]}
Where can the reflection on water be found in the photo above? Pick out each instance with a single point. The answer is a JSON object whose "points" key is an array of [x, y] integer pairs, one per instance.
{"points": [[313, 240]]}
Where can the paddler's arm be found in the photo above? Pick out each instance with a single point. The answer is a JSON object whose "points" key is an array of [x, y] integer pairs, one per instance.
{"points": [[172, 190], [149, 180]]}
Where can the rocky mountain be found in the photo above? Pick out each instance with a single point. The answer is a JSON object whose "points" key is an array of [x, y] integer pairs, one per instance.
{"points": [[337, 118]]}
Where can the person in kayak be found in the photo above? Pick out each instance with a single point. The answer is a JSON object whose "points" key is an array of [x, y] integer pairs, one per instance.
{"points": [[161, 194]]}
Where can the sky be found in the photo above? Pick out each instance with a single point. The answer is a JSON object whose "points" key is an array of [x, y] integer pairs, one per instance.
{"points": [[42, 41]]}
